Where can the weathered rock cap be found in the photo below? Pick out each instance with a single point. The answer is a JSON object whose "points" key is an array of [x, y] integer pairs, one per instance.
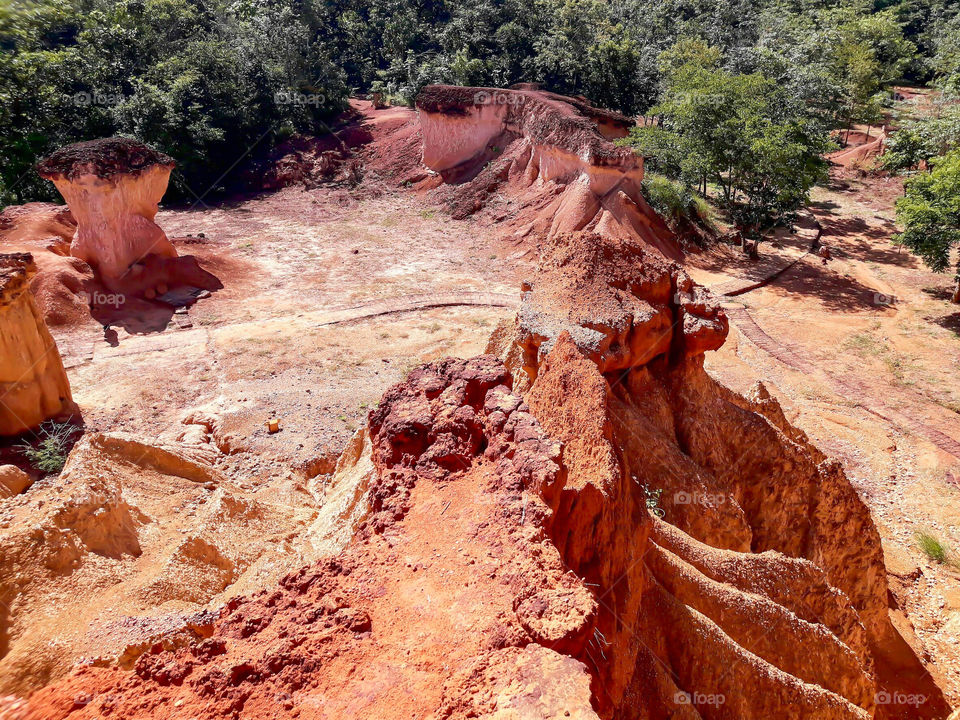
{"points": [[16, 270], [103, 158]]}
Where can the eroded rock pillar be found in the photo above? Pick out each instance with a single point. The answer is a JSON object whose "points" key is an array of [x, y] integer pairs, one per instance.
{"points": [[33, 383], [113, 187]]}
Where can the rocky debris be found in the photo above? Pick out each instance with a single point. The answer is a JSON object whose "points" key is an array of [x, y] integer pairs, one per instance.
{"points": [[633, 306], [123, 548], [549, 154], [113, 187], [33, 383], [13, 481], [315, 161], [449, 574]]}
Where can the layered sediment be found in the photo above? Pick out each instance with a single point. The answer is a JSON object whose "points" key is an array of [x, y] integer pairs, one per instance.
{"points": [[33, 383], [551, 155]]}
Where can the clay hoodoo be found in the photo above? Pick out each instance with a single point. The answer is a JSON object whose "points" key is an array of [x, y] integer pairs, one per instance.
{"points": [[592, 527], [33, 383], [113, 187], [551, 155]]}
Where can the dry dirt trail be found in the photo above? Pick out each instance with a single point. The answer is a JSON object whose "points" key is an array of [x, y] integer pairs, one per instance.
{"points": [[910, 404]]}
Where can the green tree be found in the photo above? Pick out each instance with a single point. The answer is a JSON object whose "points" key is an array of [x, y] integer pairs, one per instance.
{"points": [[929, 212], [210, 83], [740, 132], [920, 140]]}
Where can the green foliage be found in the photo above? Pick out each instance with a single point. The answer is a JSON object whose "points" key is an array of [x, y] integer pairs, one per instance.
{"points": [[208, 83], [674, 200], [929, 212], [217, 82], [932, 547], [742, 132], [921, 140], [653, 500], [49, 453]]}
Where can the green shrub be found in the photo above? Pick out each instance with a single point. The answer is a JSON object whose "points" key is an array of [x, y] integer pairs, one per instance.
{"points": [[674, 201], [49, 454], [932, 547]]}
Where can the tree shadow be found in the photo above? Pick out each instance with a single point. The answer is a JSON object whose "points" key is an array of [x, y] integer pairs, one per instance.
{"points": [[859, 240], [835, 292], [939, 293], [135, 315], [145, 300], [949, 322]]}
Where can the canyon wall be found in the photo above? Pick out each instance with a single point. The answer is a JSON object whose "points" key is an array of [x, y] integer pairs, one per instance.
{"points": [[591, 527], [33, 383], [547, 153], [580, 523]]}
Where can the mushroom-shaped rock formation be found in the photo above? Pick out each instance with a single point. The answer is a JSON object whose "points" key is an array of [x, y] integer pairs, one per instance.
{"points": [[33, 383], [553, 154], [113, 187]]}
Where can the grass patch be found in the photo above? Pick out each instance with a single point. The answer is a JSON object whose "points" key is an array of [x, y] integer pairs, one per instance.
{"points": [[933, 548], [49, 453], [864, 343]]}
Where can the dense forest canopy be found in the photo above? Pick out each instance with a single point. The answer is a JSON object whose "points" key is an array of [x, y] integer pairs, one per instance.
{"points": [[207, 80]]}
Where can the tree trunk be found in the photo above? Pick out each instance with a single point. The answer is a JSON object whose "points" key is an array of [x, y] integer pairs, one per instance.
{"points": [[868, 134]]}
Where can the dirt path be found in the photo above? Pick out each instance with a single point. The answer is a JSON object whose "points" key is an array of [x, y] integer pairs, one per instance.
{"points": [[77, 351], [852, 389]]}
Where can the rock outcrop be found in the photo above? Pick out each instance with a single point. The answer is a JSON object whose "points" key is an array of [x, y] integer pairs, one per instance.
{"points": [[125, 547], [113, 187], [591, 527], [550, 154], [33, 383]]}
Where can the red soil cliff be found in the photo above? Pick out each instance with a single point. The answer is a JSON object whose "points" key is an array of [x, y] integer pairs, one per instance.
{"points": [[546, 153], [581, 523], [33, 383]]}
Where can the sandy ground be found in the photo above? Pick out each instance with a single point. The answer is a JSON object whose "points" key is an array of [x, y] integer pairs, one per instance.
{"points": [[275, 342], [865, 354]]}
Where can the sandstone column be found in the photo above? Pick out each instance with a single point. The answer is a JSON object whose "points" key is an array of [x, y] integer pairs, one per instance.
{"points": [[33, 383], [113, 187]]}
